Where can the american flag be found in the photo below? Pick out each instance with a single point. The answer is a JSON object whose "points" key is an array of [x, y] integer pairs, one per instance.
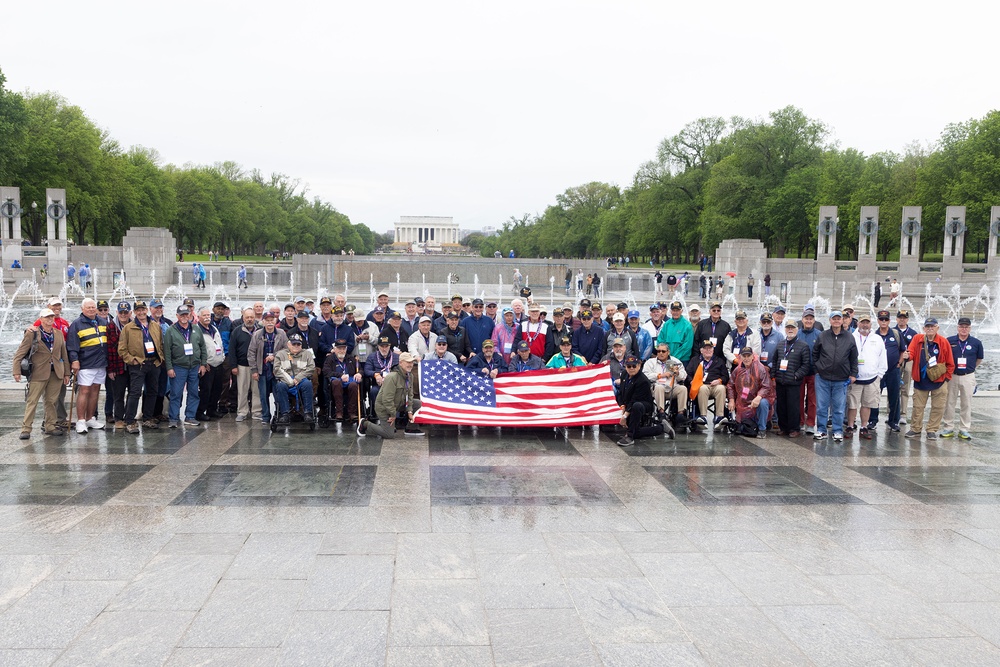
{"points": [[452, 394]]}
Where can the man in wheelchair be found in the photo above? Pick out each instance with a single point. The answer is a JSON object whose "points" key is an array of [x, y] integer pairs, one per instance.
{"points": [[666, 374], [293, 371], [708, 376]]}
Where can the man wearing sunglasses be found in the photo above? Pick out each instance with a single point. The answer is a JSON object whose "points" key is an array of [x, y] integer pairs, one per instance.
{"points": [[636, 399], [714, 329], [894, 347]]}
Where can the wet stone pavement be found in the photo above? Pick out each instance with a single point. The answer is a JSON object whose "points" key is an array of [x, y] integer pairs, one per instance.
{"points": [[229, 545]]}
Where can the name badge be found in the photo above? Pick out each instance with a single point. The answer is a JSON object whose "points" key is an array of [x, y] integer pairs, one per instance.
{"points": [[763, 356], [932, 361], [218, 350], [783, 365], [861, 362], [961, 362], [507, 347], [188, 349], [746, 391], [150, 348], [714, 340]]}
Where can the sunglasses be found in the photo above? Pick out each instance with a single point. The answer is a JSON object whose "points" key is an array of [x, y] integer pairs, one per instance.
{"points": [[883, 319], [565, 344], [631, 365], [663, 351]]}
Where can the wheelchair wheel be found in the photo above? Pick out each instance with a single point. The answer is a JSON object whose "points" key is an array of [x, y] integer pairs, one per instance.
{"points": [[274, 423], [312, 425]]}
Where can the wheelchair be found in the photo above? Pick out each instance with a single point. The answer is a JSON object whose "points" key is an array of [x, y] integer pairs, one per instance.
{"points": [[296, 415]]}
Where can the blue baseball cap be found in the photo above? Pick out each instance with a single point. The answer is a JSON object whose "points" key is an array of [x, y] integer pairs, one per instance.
{"points": [[633, 313], [836, 313], [155, 303], [124, 307]]}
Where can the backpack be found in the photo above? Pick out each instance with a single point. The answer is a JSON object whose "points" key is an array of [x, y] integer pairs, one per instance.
{"points": [[26, 363], [747, 428]]}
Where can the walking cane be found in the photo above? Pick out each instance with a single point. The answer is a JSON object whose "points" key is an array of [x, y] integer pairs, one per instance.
{"points": [[72, 398], [360, 416]]}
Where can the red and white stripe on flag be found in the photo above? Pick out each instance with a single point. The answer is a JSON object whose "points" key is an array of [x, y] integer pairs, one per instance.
{"points": [[547, 397]]}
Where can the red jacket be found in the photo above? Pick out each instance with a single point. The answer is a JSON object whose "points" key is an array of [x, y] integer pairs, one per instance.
{"points": [[916, 351]]}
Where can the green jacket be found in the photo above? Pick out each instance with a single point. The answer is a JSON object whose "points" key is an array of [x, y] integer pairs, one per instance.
{"points": [[396, 392], [679, 335], [173, 348]]}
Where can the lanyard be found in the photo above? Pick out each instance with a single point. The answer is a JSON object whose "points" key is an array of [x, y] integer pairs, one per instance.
{"points": [[863, 339], [384, 363], [963, 346], [97, 330], [48, 339], [145, 331], [739, 340], [184, 332], [704, 367]]}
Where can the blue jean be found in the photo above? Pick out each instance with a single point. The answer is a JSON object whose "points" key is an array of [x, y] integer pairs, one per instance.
{"points": [[891, 383], [183, 377], [265, 387], [762, 411], [830, 395], [305, 391]]}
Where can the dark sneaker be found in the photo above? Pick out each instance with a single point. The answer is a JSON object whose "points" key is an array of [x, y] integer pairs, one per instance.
{"points": [[151, 423], [625, 441], [412, 429], [932, 435], [192, 422], [24, 435], [912, 434], [284, 419], [865, 433], [56, 431]]}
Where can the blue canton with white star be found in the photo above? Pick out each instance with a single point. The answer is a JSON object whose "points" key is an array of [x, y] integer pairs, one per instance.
{"points": [[445, 381]]}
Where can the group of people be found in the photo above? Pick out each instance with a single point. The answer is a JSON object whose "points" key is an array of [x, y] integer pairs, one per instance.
{"points": [[824, 380], [335, 361]]}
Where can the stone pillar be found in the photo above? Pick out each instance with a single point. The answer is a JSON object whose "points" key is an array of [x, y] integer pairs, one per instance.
{"points": [[148, 256], [909, 245], [868, 243], [55, 219], [826, 249], [992, 262], [954, 243], [10, 219]]}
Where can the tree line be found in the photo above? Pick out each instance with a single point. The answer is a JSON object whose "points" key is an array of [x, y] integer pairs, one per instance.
{"points": [[46, 142], [739, 178]]}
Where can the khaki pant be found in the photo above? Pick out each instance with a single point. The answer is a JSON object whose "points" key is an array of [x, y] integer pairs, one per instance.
{"points": [[960, 391], [938, 399], [50, 390], [904, 392], [245, 384], [718, 392], [678, 392]]}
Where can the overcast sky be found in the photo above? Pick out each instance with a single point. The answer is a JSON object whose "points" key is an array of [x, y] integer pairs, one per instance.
{"points": [[483, 110]]}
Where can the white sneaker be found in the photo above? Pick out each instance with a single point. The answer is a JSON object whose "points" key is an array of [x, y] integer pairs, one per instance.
{"points": [[81, 426], [93, 423]]}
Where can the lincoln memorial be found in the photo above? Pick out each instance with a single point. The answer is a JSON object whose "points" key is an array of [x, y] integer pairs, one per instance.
{"points": [[426, 232]]}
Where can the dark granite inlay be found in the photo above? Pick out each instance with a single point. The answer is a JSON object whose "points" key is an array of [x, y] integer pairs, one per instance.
{"points": [[518, 485], [940, 485], [450, 441], [65, 484], [881, 445], [347, 486], [689, 445], [158, 441], [747, 485], [321, 442]]}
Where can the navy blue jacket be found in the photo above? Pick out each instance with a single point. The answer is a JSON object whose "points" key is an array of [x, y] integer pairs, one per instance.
{"points": [[478, 329], [591, 344]]}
